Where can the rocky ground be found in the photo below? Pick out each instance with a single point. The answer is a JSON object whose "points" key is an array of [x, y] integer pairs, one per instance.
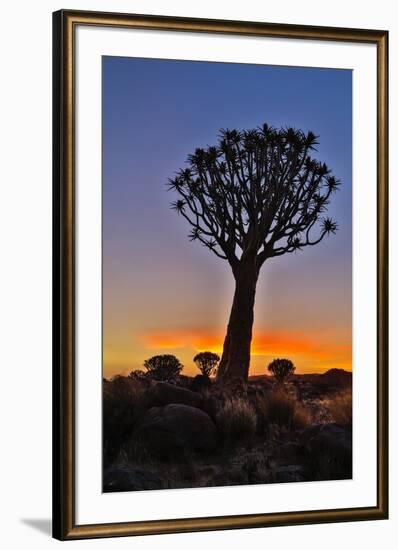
{"points": [[159, 435]]}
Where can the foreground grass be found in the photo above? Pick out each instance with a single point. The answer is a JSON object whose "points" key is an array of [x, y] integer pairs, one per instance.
{"points": [[272, 434]]}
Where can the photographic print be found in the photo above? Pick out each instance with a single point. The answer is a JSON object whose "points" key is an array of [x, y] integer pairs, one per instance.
{"points": [[220, 286], [226, 274]]}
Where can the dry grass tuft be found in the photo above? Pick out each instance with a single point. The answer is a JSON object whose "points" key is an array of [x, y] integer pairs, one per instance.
{"points": [[339, 407], [123, 404], [280, 408], [236, 420]]}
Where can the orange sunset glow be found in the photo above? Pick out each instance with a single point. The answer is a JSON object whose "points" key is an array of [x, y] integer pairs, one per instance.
{"points": [[310, 355], [263, 344]]}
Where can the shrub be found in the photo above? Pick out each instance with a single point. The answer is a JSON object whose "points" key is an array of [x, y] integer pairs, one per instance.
{"points": [[281, 369], [138, 375], [339, 407], [207, 362], [236, 420], [163, 368], [277, 407], [123, 403]]}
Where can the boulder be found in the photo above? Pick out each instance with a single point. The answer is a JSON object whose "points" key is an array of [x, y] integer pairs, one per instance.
{"points": [[328, 437], [167, 432], [288, 474], [212, 405], [200, 383], [162, 393], [121, 479], [329, 448], [289, 451]]}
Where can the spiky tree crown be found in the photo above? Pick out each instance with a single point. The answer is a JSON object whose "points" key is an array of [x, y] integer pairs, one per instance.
{"points": [[207, 362], [281, 369], [256, 193], [163, 367]]}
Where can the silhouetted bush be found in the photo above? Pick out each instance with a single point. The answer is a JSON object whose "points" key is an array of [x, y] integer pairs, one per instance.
{"points": [[236, 420], [207, 362], [281, 369], [164, 368], [138, 375]]}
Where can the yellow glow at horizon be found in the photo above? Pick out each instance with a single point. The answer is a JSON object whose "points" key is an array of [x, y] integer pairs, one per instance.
{"points": [[309, 355]]}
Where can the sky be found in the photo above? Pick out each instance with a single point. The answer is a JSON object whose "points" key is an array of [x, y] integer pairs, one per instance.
{"points": [[165, 294]]}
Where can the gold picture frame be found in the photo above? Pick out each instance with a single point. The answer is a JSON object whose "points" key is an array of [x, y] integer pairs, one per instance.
{"points": [[64, 30]]}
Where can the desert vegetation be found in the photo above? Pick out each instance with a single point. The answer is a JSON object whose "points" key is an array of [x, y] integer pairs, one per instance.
{"points": [[254, 196], [163, 429]]}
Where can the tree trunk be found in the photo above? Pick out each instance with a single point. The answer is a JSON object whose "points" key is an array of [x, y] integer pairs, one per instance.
{"points": [[235, 361]]}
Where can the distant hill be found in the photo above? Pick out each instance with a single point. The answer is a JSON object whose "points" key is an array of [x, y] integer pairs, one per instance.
{"points": [[332, 377], [337, 377]]}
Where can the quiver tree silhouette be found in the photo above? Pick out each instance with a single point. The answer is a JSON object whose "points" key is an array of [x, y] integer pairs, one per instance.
{"points": [[164, 368], [207, 362], [257, 194], [281, 369]]}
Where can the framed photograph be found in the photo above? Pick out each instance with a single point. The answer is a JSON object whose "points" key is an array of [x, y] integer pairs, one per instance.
{"points": [[220, 274]]}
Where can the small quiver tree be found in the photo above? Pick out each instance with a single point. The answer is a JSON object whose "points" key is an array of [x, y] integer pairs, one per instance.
{"points": [[281, 369], [164, 368], [207, 362]]}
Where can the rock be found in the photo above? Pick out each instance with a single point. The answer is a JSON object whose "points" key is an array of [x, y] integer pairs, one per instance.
{"points": [[286, 474], [234, 476], [163, 393], [329, 449], [334, 437], [289, 450], [212, 405], [306, 435], [121, 479], [168, 431], [328, 436]]}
